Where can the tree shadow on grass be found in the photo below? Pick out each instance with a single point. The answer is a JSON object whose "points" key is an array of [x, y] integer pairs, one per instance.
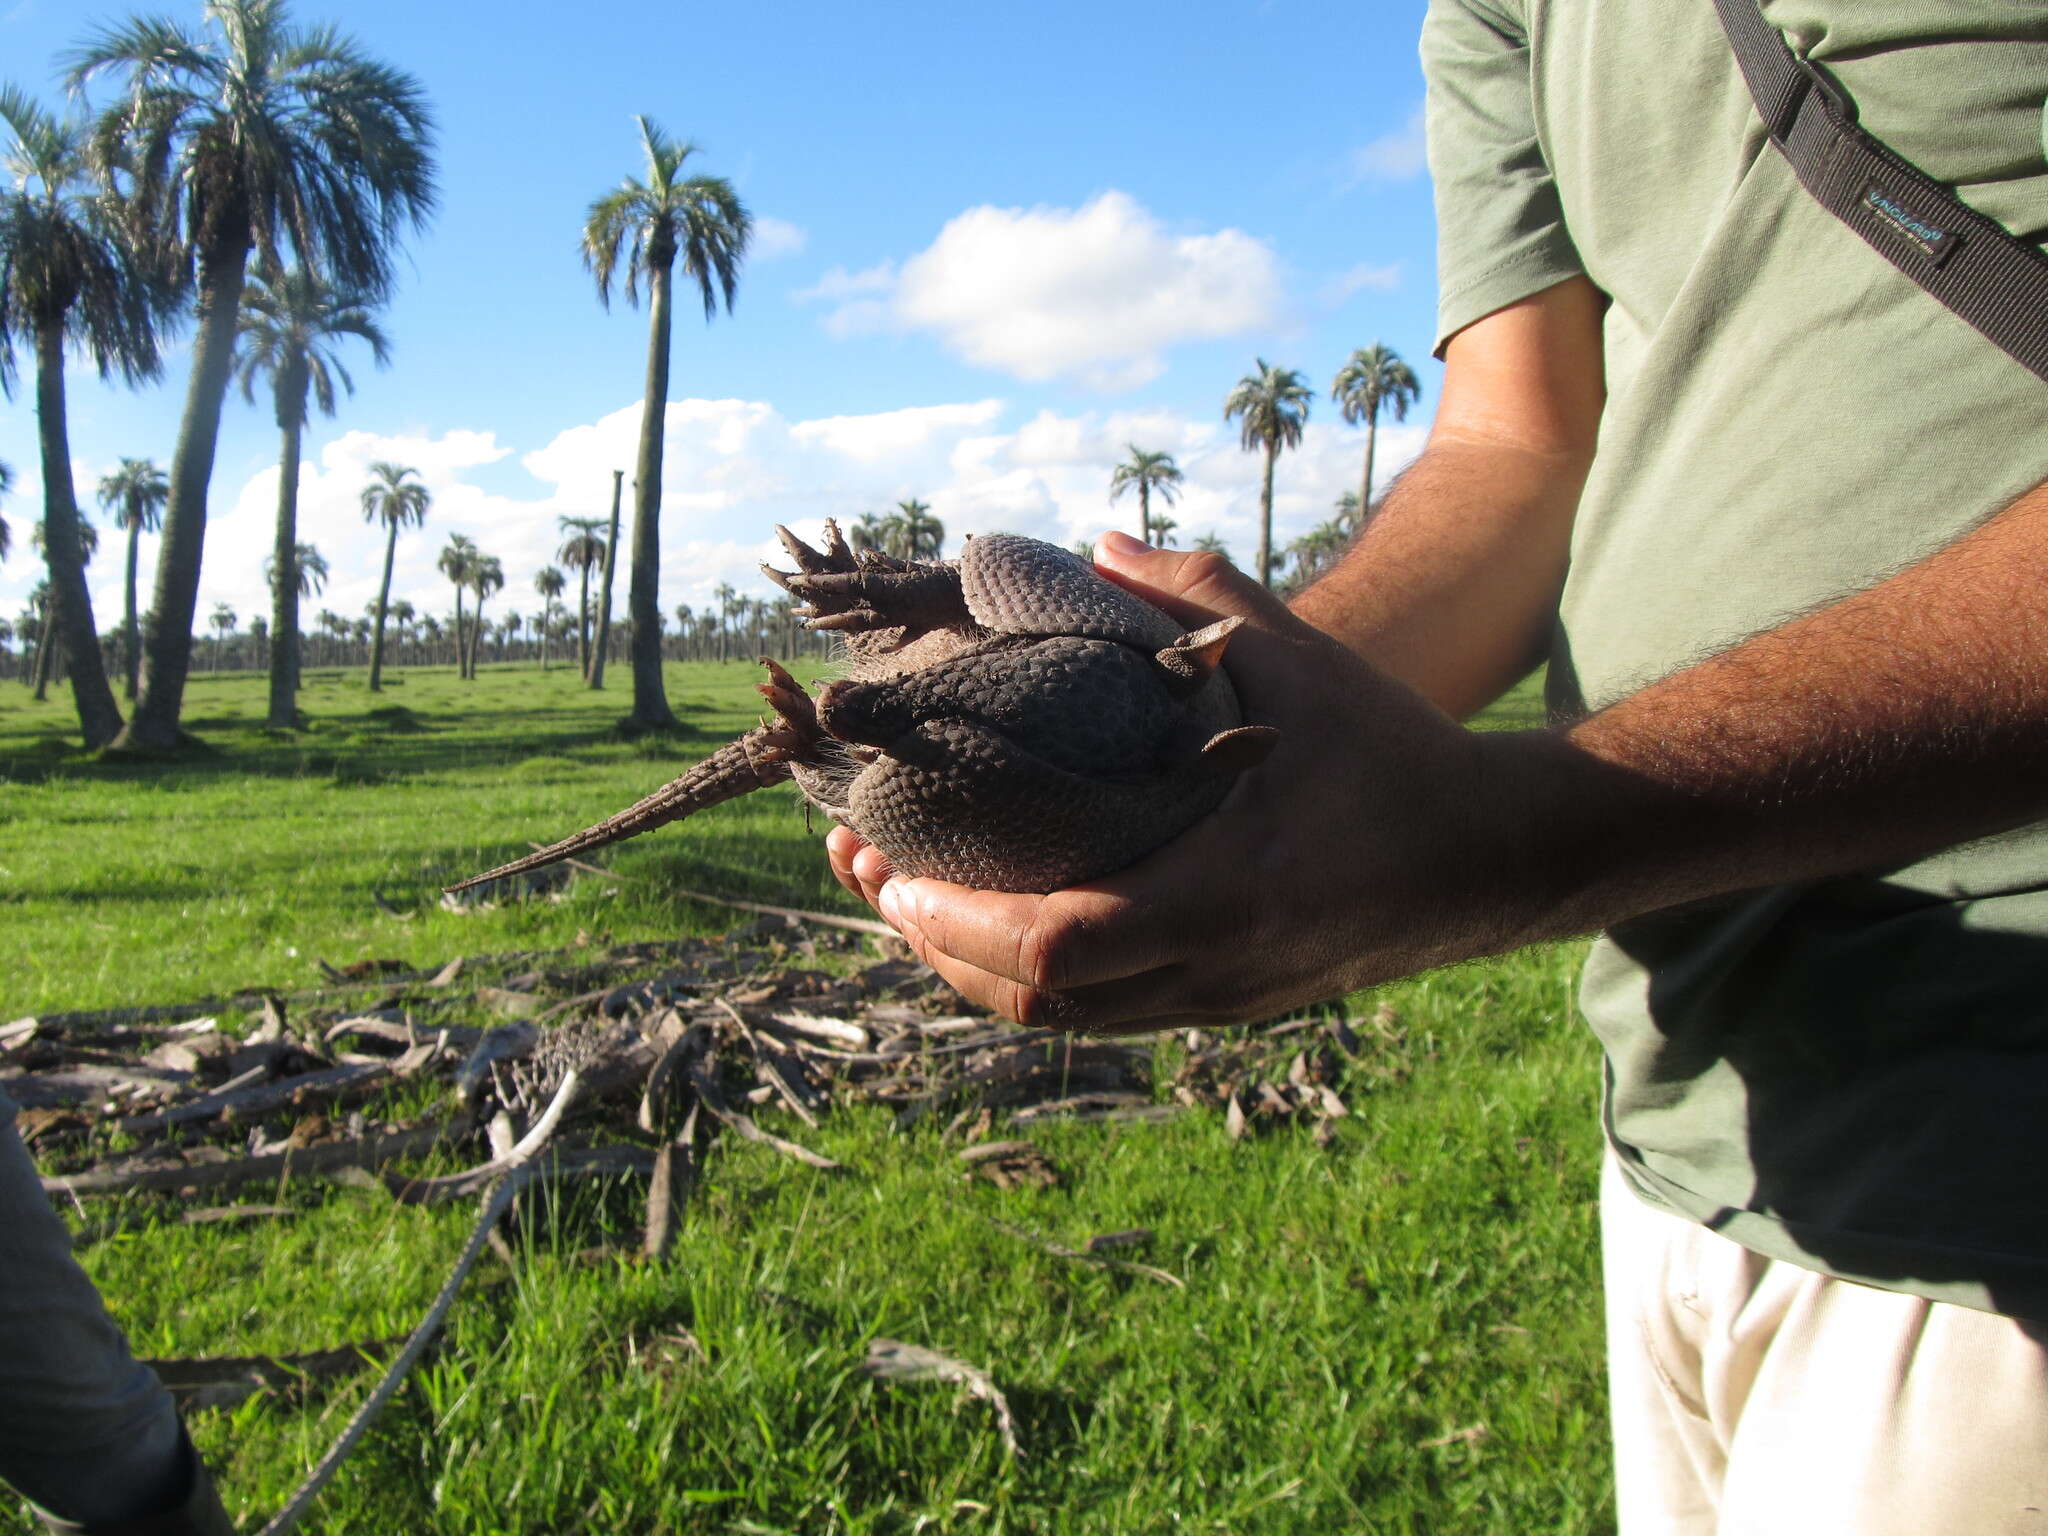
{"points": [[365, 746]]}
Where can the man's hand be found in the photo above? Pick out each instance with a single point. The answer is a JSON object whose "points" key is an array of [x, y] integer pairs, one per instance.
{"points": [[1334, 864]]}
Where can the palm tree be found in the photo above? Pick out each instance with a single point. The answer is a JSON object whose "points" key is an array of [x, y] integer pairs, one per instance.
{"points": [[402, 614], [309, 570], [583, 548], [68, 279], [252, 136], [223, 626], [913, 533], [1210, 544], [1146, 473], [135, 494], [51, 644], [549, 584], [1273, 404], [604, 591], [1316, 551], [1372, 377], [700, 220], [6, 485], [457, 558], [486, 576], [290, 322], [869, 531], [398, 501]]}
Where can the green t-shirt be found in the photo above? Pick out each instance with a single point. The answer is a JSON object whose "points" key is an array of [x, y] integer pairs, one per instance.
{"points": [[1851, 1074]]}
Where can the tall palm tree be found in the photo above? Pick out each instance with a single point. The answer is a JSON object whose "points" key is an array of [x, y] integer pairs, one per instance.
{"points": [[135, 493], [289, 325], [868, 531], [309, 571], [700, 220], [68, 279], [1147, 474], [1316, 551], [402, 614], [912, 533], [549, 583], [251, 136], [486, 576], [1272, 407], [457, 559], [583, 548], [397, 498], [604, 590], [52, 644], [224, 621], [1372, 377]]}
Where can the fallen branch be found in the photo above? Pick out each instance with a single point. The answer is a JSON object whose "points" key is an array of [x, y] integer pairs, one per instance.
{"points": [[824, 919], [893, 1360], [1083, 1256], [361, 1152], [288, 1093], [743, 1125]]}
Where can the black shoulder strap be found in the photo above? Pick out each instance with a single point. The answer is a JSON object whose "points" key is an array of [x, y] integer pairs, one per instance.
{"points": [[1970, 263]]}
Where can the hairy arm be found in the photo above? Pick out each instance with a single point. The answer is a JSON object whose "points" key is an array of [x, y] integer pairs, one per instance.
{"points": [[1381, 838], [1454, 583]]}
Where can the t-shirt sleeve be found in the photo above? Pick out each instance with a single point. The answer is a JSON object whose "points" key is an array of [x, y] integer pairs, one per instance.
{"points": [[1500, 226]]}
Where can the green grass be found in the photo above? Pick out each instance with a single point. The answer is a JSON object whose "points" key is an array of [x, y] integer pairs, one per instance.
{"points": [[1435, 1268]]}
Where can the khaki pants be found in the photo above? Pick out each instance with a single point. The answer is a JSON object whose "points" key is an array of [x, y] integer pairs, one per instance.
{"points": [[1756, 1398]]}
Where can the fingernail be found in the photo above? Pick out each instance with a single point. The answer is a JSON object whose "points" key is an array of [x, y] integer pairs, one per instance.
{"points": [[895, 909], [1117, 542]]}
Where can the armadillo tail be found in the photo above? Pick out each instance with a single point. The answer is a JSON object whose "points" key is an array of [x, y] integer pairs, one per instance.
{"points": [[759, 758]]}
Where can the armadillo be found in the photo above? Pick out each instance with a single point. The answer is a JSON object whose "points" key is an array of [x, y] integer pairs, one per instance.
{"points": [[1011, 720]]}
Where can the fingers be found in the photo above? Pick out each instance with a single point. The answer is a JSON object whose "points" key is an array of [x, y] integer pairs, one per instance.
{"points": [[1064, 942], [858, 865], [1194, 586]]}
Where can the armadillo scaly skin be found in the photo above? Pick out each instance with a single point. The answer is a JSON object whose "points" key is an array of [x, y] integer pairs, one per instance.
{"points": [[1010, 720]]}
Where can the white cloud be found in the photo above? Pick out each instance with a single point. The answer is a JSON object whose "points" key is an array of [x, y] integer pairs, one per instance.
{"points": [[838, 283], [1397, 156], [732, 469], [1097, 293], [775, 238], [1360, 278]]}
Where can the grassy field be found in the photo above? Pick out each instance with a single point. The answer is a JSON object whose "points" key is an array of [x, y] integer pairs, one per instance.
{"points": [[1395, 1333]]}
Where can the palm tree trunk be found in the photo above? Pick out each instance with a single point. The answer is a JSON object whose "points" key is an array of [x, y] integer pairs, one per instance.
{"points": [[99, 717], [583, 623], [1266, 517], [383, 602], [650, 702], [461, 634], [284, 583], [1372, 432], [46, 648], [604, 598], [131, 635], [167, 647], [476, 635], [1144, 513]]}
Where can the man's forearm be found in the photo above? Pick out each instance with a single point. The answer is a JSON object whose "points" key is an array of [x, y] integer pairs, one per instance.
{"points": [[1453, 586], [1906, 718]]}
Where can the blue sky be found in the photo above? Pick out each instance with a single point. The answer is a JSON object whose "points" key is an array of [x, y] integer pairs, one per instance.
{"points": [[995, 244]]}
